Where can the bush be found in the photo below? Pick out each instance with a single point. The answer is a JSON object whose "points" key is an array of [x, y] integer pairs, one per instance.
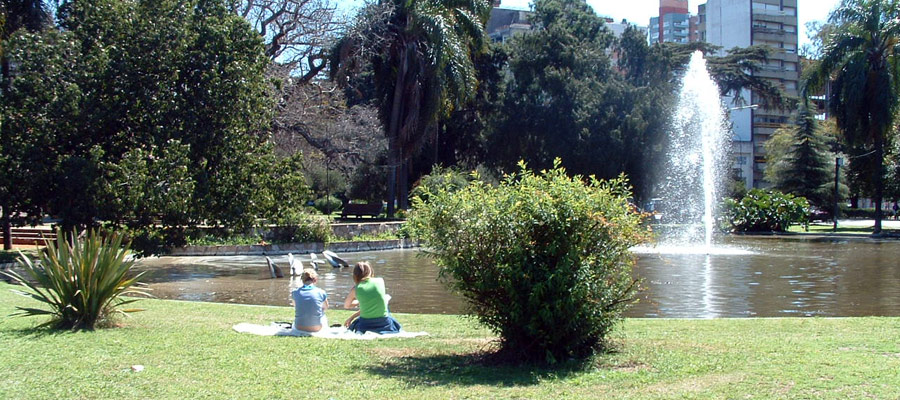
{"points": [[327, 205], [308, 228], [862, 213], [543, 260], [446, 178], [81, 282], [766, 210]]}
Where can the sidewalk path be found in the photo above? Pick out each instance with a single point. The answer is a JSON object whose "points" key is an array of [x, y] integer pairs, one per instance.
{"points": [[868, 223]]}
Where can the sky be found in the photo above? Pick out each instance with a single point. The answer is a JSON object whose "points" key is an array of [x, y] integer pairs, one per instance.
{"points": [[640, 11]]}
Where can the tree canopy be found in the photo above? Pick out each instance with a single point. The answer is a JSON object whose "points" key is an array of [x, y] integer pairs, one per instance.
{"points": [[861, 61], [148, 113], [420, 56]]}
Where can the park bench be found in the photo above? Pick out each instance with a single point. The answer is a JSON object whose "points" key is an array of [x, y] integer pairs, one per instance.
{"points": [[30, 236], [360, 210]]}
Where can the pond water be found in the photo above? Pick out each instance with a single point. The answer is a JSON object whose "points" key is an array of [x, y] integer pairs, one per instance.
{"points": [[746, 277]]}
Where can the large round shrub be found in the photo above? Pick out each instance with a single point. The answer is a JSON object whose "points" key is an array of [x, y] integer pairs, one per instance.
{"points": [[766, 210], [328, 204], [542, 259]]}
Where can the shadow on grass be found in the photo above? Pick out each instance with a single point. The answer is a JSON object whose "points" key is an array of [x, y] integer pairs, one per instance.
{"points": [[471, 369], [33, 332]]}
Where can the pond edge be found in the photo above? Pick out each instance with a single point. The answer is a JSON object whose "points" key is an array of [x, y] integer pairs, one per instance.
{"points": [[296, 248]]}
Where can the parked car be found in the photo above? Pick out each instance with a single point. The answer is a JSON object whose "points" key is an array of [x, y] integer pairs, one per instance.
{"points": [[816, 214]]}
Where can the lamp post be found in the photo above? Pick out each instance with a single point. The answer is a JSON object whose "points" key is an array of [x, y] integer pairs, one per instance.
{"points": [[837, 168]]}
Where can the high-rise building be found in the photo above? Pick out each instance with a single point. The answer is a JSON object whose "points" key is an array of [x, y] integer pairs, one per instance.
{"points": [[674, 23], [743, 23]]}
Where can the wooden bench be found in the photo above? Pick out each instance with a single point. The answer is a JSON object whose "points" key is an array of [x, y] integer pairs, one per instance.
{"points": [[30, 236], [360, 210]]}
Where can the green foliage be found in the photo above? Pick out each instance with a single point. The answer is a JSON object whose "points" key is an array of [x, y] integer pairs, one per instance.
{"points": [[448, 179], [328, 204], [766, 210], [542, 259], [323, 180], [306, 228], [857, 213], [860, 64], [368, 182], [420, 54], [563, 98], [81, 282], [147, 116], [799, 161], [286, 193]]}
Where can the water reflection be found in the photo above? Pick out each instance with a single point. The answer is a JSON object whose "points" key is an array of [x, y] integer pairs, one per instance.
{"points": [[754, 278]]}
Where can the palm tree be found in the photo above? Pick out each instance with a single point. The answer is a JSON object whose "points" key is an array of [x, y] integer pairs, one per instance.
{"points": [[31, 15], [421, 55], [860, 58]]}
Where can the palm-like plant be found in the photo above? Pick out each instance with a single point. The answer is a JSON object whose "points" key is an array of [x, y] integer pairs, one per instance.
{"points": [[81, 281], [421, 55], [860, 58]]}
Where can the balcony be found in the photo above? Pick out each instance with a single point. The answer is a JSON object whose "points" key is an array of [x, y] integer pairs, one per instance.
{"points": [[780, 18]]}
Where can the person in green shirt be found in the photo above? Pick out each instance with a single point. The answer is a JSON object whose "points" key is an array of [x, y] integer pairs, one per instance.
{"points": [[373, 314]]}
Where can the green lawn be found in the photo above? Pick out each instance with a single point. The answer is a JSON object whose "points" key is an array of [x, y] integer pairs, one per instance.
{"points": [[827, 228], [189, 351]]}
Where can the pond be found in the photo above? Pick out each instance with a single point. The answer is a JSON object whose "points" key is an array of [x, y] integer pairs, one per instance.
{"points": [[746, 277]]}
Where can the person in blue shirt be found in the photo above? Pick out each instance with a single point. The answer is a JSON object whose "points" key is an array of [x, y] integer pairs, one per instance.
{"points": [[310, 304]]}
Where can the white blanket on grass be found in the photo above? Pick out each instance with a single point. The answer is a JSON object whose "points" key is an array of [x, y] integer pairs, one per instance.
{"points": [[275, 329]]}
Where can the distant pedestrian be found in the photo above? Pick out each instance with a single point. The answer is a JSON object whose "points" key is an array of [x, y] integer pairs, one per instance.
{"points": [[896, 210]]}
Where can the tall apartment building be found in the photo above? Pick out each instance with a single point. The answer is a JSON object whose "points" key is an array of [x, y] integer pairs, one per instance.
{"points": [[674, 23], [743, 23]]}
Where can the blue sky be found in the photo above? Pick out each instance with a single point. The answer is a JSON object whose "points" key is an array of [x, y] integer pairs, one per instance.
{"points": [[640, 11]]}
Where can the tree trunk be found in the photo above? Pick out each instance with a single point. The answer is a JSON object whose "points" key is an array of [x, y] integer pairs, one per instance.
{"points": [[879, 180], [395, 157], [7, 227], [404, 185], [392, 177], [6, 219]]}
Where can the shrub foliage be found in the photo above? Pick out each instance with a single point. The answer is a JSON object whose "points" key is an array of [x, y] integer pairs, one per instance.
{"points": [[81, 281], [766, 210], [542, 259]]}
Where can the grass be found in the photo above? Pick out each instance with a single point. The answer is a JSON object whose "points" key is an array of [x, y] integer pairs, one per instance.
{"points": [[827, 228], [189, 349], [8, 256]]}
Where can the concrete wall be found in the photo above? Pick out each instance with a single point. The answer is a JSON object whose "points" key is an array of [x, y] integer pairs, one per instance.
{"points": [[295, 248], [728, 23]]}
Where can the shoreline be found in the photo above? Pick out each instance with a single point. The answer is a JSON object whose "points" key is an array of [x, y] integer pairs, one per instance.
{"points": [[297, 248]]}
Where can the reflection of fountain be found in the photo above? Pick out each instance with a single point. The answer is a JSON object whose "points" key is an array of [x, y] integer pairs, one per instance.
{"points": [[698, 149]]}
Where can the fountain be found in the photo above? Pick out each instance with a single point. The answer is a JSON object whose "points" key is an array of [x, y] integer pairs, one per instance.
{"points": [[697, 156]]}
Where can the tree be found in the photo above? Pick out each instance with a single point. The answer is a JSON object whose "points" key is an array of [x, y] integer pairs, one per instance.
{"points": [[296, 33], [420, 54], [563, 99], [860, 59], [804, 168], [153, 115], [15, 15]]}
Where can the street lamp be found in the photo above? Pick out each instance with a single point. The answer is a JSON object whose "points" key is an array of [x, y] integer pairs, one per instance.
{"points": [[837, 168]]}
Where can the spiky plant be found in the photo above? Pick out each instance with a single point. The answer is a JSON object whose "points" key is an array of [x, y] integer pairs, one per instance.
{"points": [[81, 280]]}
